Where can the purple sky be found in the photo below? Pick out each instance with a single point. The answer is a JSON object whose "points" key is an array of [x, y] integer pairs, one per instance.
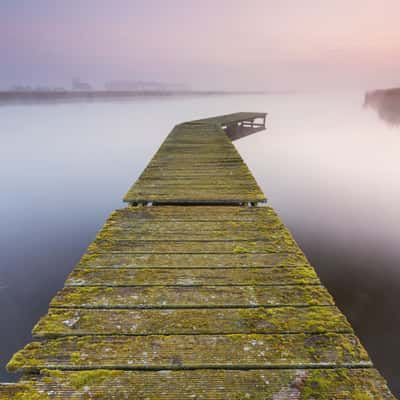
{"points": [[219, 44]]}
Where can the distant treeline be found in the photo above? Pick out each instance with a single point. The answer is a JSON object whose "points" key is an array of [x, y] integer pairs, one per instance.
{"points": [[386, 102], [379, 95]]}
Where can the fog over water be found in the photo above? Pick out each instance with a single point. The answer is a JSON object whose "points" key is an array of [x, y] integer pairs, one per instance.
{"points": [[328, 165]]}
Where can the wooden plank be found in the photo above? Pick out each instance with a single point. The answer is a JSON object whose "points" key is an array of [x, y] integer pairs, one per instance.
{"points": [[193, 246], [9, 391], [61, 322], [198, 213], [199, 260], [192, 276], [197, 231], [122, 226], [196, 195], [221, 172], [123, 232], [176, 183], [192, 351], [205, 147], [283, 384], [134, 216], [226, 221], [132, 230], [191, 296]]}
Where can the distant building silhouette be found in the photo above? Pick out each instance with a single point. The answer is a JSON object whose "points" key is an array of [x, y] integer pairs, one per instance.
{"points": [[78, 85], [142, 86], [30, 89], [20, 88]]}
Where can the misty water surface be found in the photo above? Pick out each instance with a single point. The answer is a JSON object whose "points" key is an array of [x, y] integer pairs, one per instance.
{"points": [[329, 166]]}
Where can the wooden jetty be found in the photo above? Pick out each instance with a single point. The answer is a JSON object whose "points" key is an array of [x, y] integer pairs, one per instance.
{"points": [[203, 295]]}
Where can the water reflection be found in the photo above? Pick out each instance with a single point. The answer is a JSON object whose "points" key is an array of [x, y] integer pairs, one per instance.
{"points": [[386, 103]]}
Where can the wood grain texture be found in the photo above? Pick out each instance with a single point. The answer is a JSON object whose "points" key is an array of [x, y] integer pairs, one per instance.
{"points": [[78, 321], [282, 384], [240, 351], [304, 275], [190, 296], [192, 260]]}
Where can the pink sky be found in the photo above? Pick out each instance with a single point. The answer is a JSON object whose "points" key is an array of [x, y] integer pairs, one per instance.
{"points": [[220, 44]]}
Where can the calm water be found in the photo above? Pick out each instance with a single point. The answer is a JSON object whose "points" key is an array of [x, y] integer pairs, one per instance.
{"points": [[329, 166]]}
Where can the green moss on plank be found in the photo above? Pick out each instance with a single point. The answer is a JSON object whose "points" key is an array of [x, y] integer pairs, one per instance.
{"points": [[61, 322], [240, 249], [199, 260], [195, 351], [26, 391], [338, 384], [320, 383], [193, 246], [20, 359], [191, 276], [191, 296]]}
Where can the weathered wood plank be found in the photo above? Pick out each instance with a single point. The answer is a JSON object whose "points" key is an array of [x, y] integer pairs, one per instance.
{"points": [[61, 322], [192, 276], [123, 232], [199, 260], [170, 221], [18, 391], [198, 231], [283, 384], [194, 172], [137, 220], [178, 184], [192, 351], [191, 296], [184, 197], [130, 229], [198, 213], [192, 246]]}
